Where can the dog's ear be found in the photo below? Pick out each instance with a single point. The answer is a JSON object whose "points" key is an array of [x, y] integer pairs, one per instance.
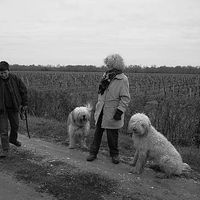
{"points": [[146, 128], [73, 116], [129, 129]]}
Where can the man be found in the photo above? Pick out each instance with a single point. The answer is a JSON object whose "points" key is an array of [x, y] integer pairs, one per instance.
{"points": [[13, 95], [113, 99]]}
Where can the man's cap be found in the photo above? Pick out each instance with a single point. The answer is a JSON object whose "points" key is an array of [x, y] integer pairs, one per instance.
{"points": [[4, 66]]}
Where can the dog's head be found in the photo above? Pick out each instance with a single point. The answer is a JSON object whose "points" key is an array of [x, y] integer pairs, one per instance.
{"points": [[139, 125], [81, 115]]}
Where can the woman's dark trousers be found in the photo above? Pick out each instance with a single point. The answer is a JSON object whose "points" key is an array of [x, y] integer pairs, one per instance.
{"points": [[112, 138]]}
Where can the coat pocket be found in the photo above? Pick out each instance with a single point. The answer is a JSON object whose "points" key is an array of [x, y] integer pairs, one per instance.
{"points": [[109, 112]]}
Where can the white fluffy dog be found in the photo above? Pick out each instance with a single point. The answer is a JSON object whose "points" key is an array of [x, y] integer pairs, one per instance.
{"points": [[79, 126], [152, 145]]}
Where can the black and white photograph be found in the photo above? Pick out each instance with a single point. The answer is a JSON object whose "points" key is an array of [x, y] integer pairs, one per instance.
{"points": [[99, 100]]}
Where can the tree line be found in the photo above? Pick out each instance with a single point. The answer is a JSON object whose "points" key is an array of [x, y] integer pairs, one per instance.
{"points": [[93, 68]]}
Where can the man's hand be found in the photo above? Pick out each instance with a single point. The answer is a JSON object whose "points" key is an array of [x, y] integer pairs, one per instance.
{"points": [[24, 108]]}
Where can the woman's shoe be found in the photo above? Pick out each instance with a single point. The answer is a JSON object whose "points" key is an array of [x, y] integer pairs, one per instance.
{"points": [[115, 159], [16, 143], [91, 157], [4, 154]]}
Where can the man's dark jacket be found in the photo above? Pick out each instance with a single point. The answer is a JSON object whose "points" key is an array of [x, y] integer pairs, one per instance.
{"points": [[17, 90]]}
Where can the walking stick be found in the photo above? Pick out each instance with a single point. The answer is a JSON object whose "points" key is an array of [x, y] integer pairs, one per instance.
{"points": [[23, 116]]}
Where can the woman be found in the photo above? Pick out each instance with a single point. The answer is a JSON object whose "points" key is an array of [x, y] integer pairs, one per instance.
{"points": [[113, 99]]}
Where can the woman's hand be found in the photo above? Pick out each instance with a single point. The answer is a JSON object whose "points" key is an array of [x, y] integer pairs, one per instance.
{"points": [[117, 115]]}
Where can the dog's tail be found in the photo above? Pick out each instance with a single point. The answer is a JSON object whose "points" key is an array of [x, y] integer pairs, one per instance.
{"points": [[186, 168], [89, 106]]}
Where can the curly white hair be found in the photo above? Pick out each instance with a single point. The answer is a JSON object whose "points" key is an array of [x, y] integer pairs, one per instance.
{"points": [[78, 124], [114, 61], [151, 144]]}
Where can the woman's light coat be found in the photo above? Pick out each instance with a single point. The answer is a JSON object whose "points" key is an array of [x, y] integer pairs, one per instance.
{"points": [[115, 96]]}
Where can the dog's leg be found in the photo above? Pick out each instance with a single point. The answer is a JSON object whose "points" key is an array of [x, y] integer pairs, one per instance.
{"points": [[85, 135], [71, 142], [83, 140], [135, 158], [71, 138], [83, 143], [142, 158]]}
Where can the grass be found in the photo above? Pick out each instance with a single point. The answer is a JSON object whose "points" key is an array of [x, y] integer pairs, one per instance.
{"points": [[191, 155]]}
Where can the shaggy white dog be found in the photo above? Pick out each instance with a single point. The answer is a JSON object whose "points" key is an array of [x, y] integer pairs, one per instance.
{"points": [[152, 145], [79, 126]]}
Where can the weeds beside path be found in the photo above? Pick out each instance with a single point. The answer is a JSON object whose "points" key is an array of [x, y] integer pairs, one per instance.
{"points": [[68, 176]]}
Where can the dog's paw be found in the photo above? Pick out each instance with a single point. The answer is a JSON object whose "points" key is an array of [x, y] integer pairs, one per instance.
{"points": [[83, 145], [163, 176], [132, 164], [134, 171], [86, 147]]}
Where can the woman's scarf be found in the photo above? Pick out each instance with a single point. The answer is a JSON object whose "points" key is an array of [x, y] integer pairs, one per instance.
{"points": [[107, 78]]}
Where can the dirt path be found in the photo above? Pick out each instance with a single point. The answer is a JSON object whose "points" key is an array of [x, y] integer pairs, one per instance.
{"points": [[145, 186], [139, 187]]}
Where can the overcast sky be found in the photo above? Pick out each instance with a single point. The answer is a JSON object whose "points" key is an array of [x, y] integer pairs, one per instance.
{"points": [[144, 32]]}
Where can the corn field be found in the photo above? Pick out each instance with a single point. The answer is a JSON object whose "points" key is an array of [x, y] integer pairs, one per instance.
{"points": [[150, 84], [171, 101]]}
